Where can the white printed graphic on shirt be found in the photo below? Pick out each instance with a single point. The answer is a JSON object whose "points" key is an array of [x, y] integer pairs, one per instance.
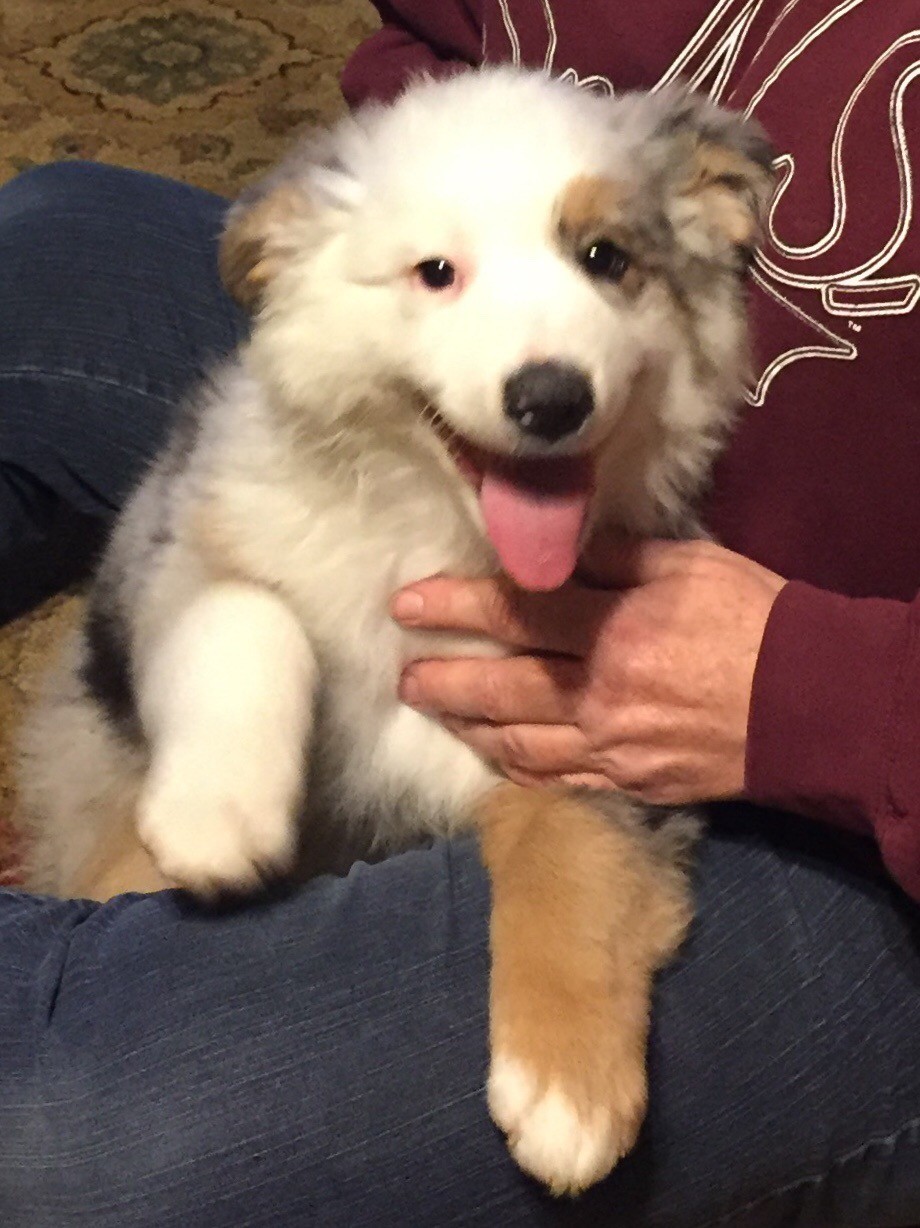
{"points": [[826, 303]]}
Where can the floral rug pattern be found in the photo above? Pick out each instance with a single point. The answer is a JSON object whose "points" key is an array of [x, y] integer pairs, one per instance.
{"points": [[204, 91], [162, 58]]}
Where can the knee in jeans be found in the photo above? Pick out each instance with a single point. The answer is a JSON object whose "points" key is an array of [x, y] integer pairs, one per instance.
{"points": [[58, 183], [75, 188]]}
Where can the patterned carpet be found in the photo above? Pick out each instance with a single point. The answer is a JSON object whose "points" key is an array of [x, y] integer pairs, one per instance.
{"points": [[204, 91]]}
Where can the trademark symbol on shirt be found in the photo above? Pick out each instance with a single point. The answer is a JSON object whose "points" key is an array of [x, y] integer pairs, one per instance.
{"points": [[854, 327]]}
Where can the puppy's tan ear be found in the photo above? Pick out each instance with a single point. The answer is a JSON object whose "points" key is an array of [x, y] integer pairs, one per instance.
{"points": [[257, 237], [721, 170], [289, 212], [732, 190]]}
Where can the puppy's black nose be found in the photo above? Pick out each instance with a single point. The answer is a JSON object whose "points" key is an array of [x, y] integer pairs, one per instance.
{"points": [[548, 400]]}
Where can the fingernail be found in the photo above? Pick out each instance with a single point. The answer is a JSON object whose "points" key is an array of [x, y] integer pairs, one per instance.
{"points": [[408, 606]]}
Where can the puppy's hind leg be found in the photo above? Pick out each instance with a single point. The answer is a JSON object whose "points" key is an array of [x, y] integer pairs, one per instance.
{"points": [[584, 910], [78, 784], [226, 699]]}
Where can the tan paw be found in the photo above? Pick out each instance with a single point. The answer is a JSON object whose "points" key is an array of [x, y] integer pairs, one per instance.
{"points": [[564, 1137], [215, 843]]}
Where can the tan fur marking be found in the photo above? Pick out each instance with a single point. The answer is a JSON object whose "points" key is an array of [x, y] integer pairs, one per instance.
{"points": [[123, 865], [589, 203], [214, 540], [246, 257], [730, 188], [592, 208], [581, 918], [640, 437]]}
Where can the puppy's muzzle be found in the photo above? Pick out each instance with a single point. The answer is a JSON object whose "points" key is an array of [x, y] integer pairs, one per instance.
{"points": [[548, 400]]}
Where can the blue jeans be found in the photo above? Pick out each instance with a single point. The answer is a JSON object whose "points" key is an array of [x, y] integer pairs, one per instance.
{"points": [[319, 1059]]}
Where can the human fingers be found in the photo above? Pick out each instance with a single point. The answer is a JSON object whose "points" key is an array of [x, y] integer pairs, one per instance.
{"points": [[539, 750], [564, 621], [510, 690]]}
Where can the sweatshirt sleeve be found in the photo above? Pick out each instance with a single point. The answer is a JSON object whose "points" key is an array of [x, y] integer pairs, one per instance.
{"points": [[417, 36], [834, 726]]}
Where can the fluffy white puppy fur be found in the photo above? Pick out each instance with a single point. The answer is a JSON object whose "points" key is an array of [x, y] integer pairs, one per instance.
{"points": [[232, 690]]}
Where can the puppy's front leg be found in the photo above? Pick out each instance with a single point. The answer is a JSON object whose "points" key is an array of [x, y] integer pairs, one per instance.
{"points": [[582, 916], [226, 699]]}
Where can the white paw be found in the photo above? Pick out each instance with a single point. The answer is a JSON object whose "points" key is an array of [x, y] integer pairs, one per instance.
{"points": [[215, 839], [566, 1147]]}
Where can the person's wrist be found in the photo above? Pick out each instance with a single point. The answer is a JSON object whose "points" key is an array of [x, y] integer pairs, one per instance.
{"points": [[821, 701]]}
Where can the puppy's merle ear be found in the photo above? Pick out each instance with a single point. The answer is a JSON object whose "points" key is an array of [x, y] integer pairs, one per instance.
{"points": [[256, 239], [284, 216], [720, 174]]}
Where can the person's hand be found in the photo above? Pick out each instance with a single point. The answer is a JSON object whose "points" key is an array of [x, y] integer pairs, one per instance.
{"points": [[642, 686]]}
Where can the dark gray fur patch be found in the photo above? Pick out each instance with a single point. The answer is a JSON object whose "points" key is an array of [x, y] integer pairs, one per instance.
{"points": [[699, 116], [183, 438], [106, 669]]}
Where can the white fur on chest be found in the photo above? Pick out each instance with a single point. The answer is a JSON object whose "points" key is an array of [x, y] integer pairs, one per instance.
{"points": [[337, 542], [394, 755]]}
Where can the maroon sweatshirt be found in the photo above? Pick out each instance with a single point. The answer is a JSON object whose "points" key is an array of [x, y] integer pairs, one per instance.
{"points": [[822, 480]]}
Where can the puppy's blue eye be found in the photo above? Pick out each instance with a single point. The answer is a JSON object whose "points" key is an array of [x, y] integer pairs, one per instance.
{"points": [[604, 259], [436, 274]]}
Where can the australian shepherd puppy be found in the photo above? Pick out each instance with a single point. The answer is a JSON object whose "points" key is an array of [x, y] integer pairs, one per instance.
{"points": [[487, 319]]}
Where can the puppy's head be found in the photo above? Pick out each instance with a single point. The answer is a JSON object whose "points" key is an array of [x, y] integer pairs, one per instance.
{"points": [[557, 276]]}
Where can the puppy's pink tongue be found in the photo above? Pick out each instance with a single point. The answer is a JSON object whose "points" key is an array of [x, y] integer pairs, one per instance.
{"points": [[534, 513]]}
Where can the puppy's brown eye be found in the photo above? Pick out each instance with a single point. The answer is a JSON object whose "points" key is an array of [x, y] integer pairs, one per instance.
{"points": [[605, 260], [436, 274]]}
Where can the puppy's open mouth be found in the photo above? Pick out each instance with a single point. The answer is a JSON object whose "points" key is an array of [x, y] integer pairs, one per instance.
{"points": [[534, 508]]}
